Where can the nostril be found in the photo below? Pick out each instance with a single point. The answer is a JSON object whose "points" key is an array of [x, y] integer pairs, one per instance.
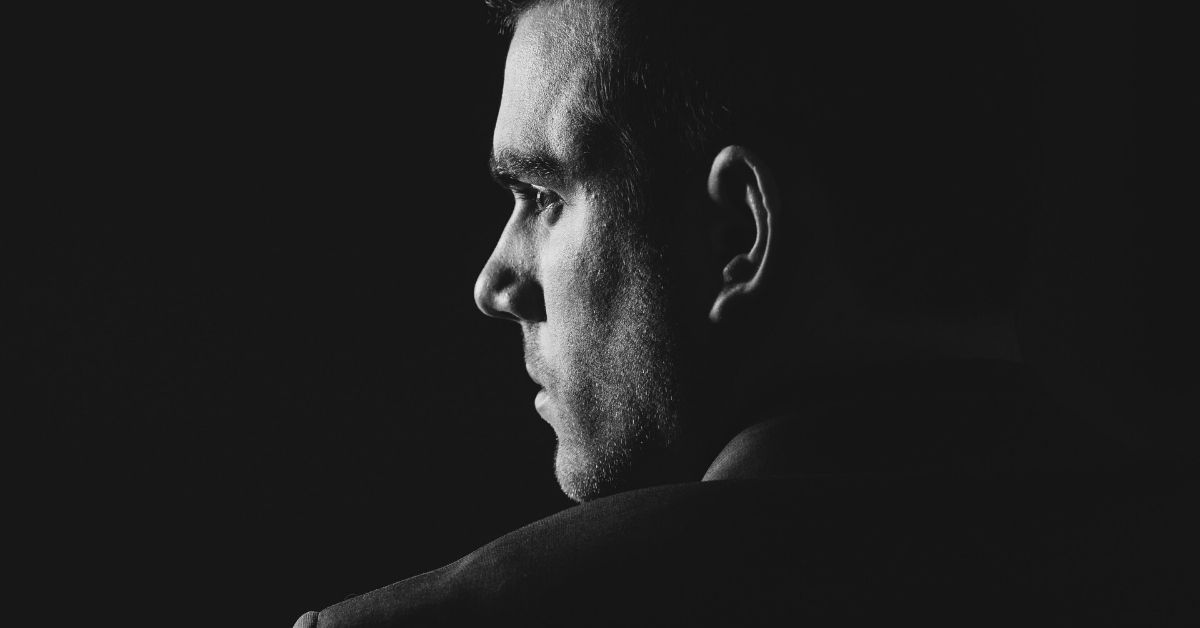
{"points": [[504, 307], [526, 301]]}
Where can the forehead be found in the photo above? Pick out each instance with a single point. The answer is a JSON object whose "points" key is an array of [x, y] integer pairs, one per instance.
{"points": [[543, 84]]}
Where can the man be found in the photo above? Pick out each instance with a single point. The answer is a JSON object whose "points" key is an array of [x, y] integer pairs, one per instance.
{"points": [[633, 279], [764, 268]]}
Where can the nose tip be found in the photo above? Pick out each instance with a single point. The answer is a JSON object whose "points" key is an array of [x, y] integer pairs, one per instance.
{"points": [[485, 295], [500, 292], [493, 292]]}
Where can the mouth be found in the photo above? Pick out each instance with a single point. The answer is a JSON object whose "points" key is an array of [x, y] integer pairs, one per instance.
{"points": [[543, 403], [529, 370]]}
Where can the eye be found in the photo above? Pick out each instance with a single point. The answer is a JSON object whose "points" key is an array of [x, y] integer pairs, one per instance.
{"points": [[543, 199], [547, 200]]}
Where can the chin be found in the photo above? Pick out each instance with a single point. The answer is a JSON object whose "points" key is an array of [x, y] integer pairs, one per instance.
{"points": [[588, 470], [585, 472], [574, 472], [607, 447]]}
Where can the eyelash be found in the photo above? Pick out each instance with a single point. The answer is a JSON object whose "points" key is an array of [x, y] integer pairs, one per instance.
{"points": [[538, 197]]}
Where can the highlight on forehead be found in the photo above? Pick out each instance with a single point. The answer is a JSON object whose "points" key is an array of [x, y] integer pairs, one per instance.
{"points": [[576, 38], [507, 13], [561, 124]]}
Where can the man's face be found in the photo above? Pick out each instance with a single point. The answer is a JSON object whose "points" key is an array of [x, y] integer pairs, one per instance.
{"points": [[586, 286]]}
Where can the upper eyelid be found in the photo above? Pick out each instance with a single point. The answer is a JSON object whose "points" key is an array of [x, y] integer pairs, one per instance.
{"points": [[515, 182], [512, 184], [508, 165], [529, 189]]}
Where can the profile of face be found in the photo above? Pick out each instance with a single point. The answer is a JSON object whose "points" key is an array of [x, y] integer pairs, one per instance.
{"points": [[588, 290], [626, 311]]}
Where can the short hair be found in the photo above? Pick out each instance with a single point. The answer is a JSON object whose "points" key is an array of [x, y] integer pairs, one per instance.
{"points": [[916, 122]]}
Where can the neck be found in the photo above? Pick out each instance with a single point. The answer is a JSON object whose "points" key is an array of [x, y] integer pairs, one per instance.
{"points": [[914, 416]]}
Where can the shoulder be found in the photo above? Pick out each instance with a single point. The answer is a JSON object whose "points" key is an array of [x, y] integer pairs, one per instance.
{"points": [[752, 552]]}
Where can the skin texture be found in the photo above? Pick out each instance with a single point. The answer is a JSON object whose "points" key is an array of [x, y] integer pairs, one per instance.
{"points": [[588, 291], [653, 344]]}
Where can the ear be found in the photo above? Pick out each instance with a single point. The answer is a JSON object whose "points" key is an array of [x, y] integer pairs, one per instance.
{"points": [[744, 190]]}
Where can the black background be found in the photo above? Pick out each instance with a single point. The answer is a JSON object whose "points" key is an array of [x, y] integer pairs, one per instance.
{"points": [[243, 313]]}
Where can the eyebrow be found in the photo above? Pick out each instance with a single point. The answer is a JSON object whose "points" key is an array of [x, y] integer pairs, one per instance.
{"points": [[513, 168]]}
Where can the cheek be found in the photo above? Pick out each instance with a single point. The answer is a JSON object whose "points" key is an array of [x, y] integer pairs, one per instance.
{"points": [[581, 273]]}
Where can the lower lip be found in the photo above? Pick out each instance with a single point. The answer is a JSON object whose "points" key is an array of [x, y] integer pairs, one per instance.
{"points": [[541, 403]]}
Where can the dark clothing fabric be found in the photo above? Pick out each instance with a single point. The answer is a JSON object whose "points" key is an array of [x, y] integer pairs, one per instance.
{"points": [[977, 416], [935, 494]]}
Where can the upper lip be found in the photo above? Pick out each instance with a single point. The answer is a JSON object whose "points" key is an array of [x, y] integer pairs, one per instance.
{"points": [[529, 370]]}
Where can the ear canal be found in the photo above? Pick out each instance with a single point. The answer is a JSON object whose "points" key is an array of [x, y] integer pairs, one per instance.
{"points": [[739, 269]]}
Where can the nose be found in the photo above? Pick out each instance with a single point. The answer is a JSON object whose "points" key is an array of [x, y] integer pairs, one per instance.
{"points": [[507, 287]]}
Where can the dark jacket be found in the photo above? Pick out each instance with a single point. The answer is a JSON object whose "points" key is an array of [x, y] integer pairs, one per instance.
{"points": [[931, 493]]}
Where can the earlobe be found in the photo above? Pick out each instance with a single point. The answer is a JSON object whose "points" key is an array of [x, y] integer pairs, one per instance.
{"points": [[742, 185]]}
